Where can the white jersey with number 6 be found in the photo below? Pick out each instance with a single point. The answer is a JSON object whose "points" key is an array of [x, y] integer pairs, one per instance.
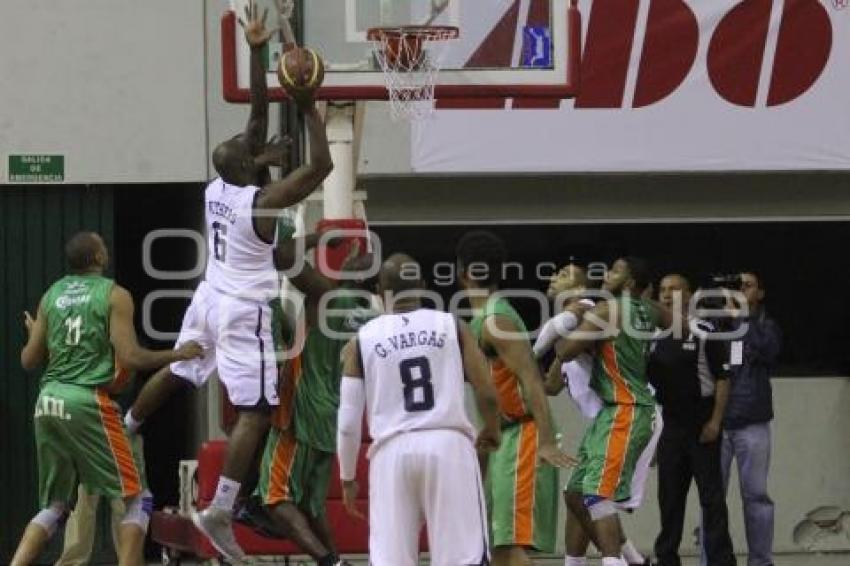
{"points": [[239, 263], [413, 369]]}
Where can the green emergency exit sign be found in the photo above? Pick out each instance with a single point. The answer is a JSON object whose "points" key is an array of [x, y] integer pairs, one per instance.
{"points": [[36, 168]]}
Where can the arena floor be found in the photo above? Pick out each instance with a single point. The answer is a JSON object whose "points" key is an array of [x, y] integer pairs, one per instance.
{"points": [[831, 559]]}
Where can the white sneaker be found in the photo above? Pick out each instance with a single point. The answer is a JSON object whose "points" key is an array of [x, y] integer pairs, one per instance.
{"points": [[217, 526]]}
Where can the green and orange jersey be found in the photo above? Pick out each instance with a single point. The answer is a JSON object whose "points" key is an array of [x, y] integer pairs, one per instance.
{"points": [[619, 370], [309, 392], [77, 308], [512, 400]]}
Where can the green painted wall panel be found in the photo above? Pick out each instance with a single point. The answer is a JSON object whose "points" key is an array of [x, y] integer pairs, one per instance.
{"points": [[36, 221]]}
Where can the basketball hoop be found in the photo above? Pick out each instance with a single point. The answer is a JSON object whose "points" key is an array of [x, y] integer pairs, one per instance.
{"points": [[410, 70], [840, 4]]}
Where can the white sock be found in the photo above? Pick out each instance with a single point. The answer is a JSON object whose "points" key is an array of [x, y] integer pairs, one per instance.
{"points": [[613, 562], [225, 493], [130, 423], [575, 561], [631, 554]]}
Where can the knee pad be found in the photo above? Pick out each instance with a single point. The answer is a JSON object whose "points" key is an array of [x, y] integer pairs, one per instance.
{"points": [[139, 510], [599, 507], [52, 518]]}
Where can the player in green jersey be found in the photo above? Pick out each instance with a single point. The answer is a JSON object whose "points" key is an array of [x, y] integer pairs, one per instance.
{"points": [[521, 493], [84, 324], [301, 446], [617, 333]]}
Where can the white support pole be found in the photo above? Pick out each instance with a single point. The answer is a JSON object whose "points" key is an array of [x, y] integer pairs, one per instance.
{"points": [[339, 185]]}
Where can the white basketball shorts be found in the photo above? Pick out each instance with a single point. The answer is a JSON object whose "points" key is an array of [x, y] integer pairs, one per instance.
{"points": [[431, 477], [237, 339]]}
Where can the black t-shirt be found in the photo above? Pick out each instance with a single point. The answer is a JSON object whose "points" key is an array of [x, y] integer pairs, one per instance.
{"points": [[684, 370]]}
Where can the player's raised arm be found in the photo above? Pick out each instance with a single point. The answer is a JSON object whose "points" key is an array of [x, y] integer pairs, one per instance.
{"points": [[257, 36], [486, 396], [501, 335], [34, 353], [298, 185], [123, 337]]}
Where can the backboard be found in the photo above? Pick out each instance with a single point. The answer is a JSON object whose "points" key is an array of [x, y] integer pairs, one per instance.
{"points": [[528, 48]]}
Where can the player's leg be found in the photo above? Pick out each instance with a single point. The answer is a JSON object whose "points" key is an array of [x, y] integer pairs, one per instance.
{"points": [[395, 514], [616, 439], [247, 368], [576, 537], [284, 474], [595, 513], [156, 391], [168, 380], [453, 500], [317, 495], [132, 530], [577, 531], [510, 485], [38, 533], [112, 467], [57, 474], [79, 530]]}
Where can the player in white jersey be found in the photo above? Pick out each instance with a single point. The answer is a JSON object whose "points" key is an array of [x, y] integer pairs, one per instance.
{"points": [[406, 368], [229, 313], [570, 283]]}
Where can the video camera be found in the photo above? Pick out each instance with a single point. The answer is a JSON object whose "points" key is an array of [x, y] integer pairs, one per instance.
{"points": [[717, 282]]}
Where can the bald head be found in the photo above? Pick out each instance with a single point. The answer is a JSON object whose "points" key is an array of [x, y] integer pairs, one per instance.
{"points": [[86, 252], [234, 163], [399, 273]]}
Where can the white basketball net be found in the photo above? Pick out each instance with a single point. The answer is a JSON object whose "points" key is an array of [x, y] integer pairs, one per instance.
{"points": [[840, 4], [410, 70]]}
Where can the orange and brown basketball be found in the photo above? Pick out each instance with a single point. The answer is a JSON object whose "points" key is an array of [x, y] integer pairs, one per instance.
{"points": [[300, 69]]}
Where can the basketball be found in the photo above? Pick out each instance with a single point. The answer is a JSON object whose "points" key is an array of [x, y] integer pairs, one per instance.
{"points": [[301, 68]]}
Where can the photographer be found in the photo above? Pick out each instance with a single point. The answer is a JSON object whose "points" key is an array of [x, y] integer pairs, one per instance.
{"points": [[689, 369], [747, 433]]}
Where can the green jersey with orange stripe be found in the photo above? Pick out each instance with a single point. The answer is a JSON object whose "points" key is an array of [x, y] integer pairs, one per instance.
{"points": [[316, 397], [512, 402], [619, 370], [77, 310]]}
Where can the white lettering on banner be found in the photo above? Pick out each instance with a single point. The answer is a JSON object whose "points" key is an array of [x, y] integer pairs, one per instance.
{"points": [[673, 85]]}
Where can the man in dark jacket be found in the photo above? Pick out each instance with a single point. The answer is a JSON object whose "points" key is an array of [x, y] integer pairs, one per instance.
{"points": [[689, 369], [747, 433]]}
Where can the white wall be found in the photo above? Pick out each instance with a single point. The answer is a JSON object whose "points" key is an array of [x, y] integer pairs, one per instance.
{"points": [[114, 85], [810, 464]]}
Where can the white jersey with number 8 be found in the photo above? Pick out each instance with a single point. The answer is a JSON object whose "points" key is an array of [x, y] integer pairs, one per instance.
{"points": [[239, 263], [413, 369]]}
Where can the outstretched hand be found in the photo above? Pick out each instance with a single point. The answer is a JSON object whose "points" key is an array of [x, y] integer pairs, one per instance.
{"points": [[276, 152], [189, 351], [349, 499], [488, 440], [552, 455], [254, 26], [285, 9]]}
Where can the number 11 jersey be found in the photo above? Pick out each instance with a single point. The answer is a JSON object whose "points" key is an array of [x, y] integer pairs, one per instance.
{"points": [[239, 262], [77, 310], [413, 368]]}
